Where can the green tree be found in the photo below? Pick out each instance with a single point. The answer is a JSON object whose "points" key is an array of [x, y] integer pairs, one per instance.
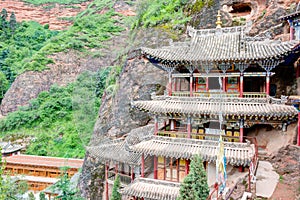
{"points": [[31, 196], [42, 196], [10, 189], [4, 84], [115, 193], [194, 186], [67, 190]]}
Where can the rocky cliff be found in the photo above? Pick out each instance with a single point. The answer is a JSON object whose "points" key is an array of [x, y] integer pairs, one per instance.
{"points": [[58, 16]]}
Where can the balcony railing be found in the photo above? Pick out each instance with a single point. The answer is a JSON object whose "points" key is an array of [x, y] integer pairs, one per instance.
{"points": [[200, 136], [213, 94], [124, 178]]}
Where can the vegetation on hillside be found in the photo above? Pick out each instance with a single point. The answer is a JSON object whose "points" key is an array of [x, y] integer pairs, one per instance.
{"points": [[169, 13], [10, 188], [18, 43], [27, 45], [60, 121]]}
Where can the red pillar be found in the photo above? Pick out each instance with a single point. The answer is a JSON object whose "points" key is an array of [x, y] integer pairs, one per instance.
{"points": [[106, 181], [241, 139], [143, 166], [224, 84], [206, 86], [170, 85], [155, 125], [191, 85], [175, 84], [155, 167], [268, 83], [241, 85], [187, 167], [116, 169], [189, 127], [298, 141], [132, 174]]}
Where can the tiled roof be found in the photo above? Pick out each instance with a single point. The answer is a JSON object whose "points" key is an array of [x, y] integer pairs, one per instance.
{"points": [[220, 47], [152, 189], [236, 153], [7, 147], [117, 149], [114, 150], [194, 106], [291, 15], [44, 161]]}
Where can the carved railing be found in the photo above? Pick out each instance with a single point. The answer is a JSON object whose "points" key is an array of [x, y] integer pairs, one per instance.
{"points": [[200, 136], [222, 97], [124, 178], [254, 95], [213, 94]]}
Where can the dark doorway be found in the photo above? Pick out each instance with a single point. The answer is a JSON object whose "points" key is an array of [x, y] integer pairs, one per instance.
{"points": [[213, 83]]}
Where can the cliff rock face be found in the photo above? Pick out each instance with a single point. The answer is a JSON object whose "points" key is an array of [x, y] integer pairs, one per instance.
{"points": [[56, 15], [138, 80], [29, 84]]}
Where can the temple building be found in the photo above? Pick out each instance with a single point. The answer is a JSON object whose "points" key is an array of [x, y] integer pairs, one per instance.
{"points": [[293, 20], [39, 171], [10, 149], [219, 83]]}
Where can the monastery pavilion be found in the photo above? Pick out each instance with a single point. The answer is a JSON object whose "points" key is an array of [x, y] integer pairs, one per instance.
{"points": [[219, 83]]}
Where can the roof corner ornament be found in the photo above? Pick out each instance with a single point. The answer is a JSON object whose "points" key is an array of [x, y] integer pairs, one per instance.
{"points": [[219, 22], [242, 66], [268, 64]]}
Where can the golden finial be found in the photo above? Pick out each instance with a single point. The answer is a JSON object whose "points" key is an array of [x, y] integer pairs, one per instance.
{"points": [[219, 22]]}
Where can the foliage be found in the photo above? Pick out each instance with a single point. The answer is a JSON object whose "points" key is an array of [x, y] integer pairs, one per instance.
{"points": [[26, 46], [4, 84], [61, 120], [10, 189], [39, 2], [153, 13], [42, 196], [31, 196], [194, 186], [115, 195], [67, 190], [199, 4]]}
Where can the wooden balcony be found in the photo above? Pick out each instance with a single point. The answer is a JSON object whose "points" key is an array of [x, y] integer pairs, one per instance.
{"points": [[200, 136], [213, 94]]}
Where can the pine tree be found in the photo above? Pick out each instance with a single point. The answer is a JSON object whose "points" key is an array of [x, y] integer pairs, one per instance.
{"points": [[115, 193], [186, 188], [31, 196], [42, 196], [200, 186], [194, 186]]}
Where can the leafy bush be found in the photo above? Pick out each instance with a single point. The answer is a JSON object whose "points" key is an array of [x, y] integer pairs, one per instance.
{"points": [[61, 120], [153, 13]]}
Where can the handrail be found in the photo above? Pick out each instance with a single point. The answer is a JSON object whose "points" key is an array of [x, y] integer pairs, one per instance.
{"points": [[226, 94], [185, 134]]}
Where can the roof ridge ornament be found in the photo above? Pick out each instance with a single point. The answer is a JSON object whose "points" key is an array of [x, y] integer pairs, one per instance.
{"points": [[219, 22]]}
